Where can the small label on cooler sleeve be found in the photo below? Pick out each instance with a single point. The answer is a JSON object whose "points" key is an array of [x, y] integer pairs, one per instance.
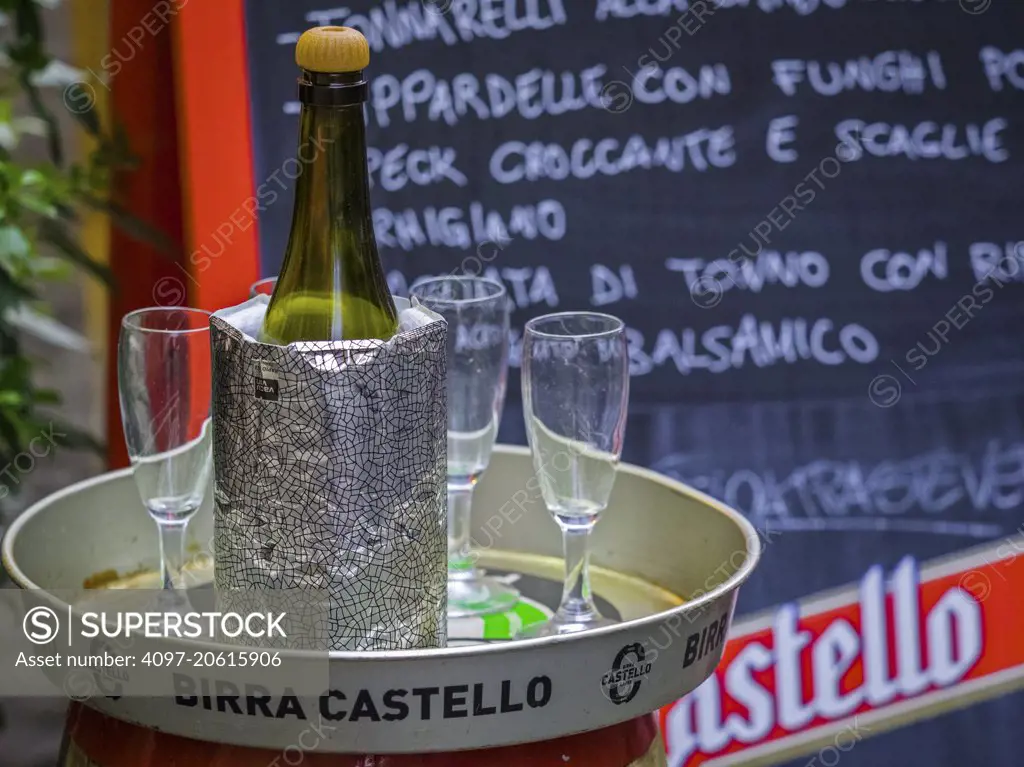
{"points": [[266, 382]]}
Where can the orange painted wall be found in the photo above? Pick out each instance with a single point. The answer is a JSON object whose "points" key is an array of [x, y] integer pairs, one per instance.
{"points": [[181, 96], [215, 140]]}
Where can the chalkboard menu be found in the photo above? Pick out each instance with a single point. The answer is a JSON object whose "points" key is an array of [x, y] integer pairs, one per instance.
{"points": [[806, 211], [776, 196]]}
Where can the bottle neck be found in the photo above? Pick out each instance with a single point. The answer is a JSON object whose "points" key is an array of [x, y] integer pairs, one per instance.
{"points": [[333, 183], [331, 285]]}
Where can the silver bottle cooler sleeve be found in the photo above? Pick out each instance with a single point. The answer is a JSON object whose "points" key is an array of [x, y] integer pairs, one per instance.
{"points": [[330, 474]]}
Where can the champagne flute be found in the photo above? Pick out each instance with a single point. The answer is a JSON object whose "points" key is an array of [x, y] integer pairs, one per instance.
{"points": [[575, 394], [477, 312], [163, 375]]}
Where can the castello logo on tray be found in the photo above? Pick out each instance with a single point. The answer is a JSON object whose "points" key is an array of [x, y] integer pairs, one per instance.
{"points": [[630, 667]]}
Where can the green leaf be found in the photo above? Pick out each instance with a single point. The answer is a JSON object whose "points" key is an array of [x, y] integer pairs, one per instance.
{"points": [[9, 431], [40, 193], [48, 268], [41, 207], [38, 211], [10, 398], [14, 370], [46, 397], [13, 241], [32, 177]]}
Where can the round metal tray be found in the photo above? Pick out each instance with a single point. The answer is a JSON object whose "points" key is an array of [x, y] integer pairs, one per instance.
{"points": [[668, 561]]}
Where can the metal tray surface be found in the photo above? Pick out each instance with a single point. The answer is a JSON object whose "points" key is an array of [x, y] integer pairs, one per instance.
{"points": [[668, 561]]}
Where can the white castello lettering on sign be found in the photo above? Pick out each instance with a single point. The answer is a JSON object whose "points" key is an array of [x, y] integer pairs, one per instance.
{"points": [[936, 657]]}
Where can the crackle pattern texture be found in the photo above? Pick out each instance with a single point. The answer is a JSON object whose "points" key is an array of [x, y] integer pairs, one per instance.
{"points": [[333, 478]]}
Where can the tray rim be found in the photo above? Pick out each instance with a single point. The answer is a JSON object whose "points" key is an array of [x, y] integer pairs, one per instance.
{"points": [[571, 670], [753, 554]]}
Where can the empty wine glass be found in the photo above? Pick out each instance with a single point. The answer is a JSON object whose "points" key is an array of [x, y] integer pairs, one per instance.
{"points": [[477, 312], [163, 376], [575, 394]]}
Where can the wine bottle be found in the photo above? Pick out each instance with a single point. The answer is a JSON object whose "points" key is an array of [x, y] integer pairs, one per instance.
{"points": [[331, 286]]}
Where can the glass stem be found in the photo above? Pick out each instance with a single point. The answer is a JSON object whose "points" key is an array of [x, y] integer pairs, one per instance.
{"points": [[577, 600], [172, 551], [460, 504]]}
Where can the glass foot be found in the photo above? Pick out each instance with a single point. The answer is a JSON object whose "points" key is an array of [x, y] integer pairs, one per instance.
{"points": [[565, 624], [472, 594]]}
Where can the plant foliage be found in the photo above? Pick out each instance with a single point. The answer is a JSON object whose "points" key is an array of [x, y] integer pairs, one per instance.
{"points": [[40, 206]]}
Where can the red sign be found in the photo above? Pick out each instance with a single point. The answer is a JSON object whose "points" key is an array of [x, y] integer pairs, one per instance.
{"points": [[841, 666]]}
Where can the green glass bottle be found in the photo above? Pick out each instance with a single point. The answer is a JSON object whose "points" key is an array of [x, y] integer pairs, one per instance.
{"points": [[331, 286]]}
